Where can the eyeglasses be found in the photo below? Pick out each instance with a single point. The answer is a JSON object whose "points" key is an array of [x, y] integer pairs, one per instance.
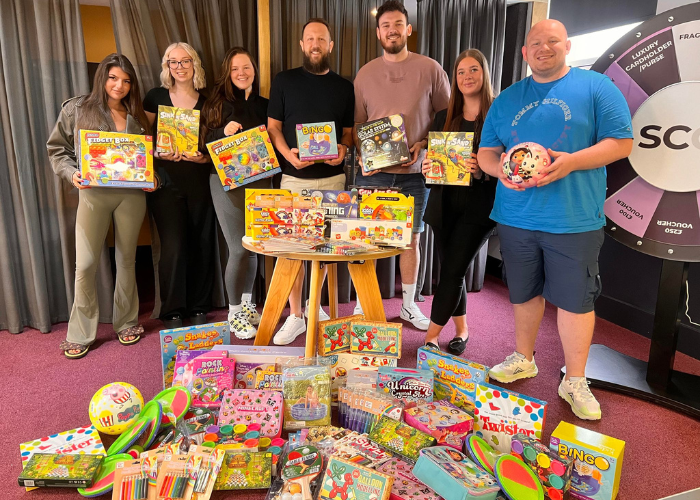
{"points": [[185, 63]]}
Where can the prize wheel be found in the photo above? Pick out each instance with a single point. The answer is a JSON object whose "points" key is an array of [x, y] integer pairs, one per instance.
{"points": [[653, 197]]}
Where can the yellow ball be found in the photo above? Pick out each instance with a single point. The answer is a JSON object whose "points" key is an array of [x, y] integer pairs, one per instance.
{"points": [[115, 407]]}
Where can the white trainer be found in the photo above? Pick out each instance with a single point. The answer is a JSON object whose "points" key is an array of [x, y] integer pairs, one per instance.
{"points": [[253, 314], [583, 403], [515, 367], [415, 316], [240, 325], [358, 309], [292, 328], [322, 315]]}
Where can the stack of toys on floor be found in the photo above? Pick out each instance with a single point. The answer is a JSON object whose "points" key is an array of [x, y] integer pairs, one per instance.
{"points": [[233, 417]]}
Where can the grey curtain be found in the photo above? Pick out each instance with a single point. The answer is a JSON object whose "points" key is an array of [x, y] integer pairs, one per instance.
{"points": [[445, 28], [352, 28], [42, 64], [143, 30]]}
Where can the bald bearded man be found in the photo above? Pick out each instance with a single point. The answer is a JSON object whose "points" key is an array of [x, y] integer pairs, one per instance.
{"points": [[551, 234]]}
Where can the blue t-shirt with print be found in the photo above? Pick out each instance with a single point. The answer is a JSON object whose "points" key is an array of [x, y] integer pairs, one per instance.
{"points": [[570, 114]]}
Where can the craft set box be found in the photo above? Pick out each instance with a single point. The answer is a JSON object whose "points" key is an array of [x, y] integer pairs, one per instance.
{"points": [[317, 141], [449, 152], [251, 360], [279, 212], [406, 384], [178, 130], [244, 158], [376, 338], [597, 461], [383, 143], [113, 159]]}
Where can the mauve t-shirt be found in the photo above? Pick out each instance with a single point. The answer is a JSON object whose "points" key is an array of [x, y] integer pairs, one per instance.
{"points": [[417, 87]]}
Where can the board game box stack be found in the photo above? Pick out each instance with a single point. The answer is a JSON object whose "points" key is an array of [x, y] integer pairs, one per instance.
{"points": [[244, 158], [178, 130], [449, 152], [317, 142], [113, 159], [383, 143], [278, 212]]}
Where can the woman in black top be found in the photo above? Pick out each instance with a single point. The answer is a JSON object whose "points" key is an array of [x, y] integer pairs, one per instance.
{"points": [[182, 209], [235, 105], [459, 215]]}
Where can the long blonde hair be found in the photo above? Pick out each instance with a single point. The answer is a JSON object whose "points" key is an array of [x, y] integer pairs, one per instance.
{"points": [[456, 104], [166, 79]]}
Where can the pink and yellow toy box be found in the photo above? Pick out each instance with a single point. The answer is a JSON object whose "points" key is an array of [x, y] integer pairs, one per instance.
{"points": [[597, 461], [448, 424], [207, 377], [249, 406], [113, 159]]}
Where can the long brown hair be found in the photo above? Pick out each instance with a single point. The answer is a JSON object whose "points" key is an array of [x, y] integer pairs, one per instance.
{"points": [[95, 109], [455, 108], [225, 90]]}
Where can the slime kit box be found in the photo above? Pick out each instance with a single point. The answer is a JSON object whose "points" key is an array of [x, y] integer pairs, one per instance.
{"points": [[113, 159], [343, 480], [597, 461], [178, 128], [190, 338], [500, 414], [455, 378], [449, 152], [317, 141], [244, 158], [383, 143], [376, 338], [405, 384]]}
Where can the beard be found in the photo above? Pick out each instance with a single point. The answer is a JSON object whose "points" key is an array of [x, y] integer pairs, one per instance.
{"points": [[319, 67], [391, 48]]}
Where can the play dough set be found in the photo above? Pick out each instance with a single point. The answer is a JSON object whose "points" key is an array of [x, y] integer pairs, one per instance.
{"points": [[245, 417]]}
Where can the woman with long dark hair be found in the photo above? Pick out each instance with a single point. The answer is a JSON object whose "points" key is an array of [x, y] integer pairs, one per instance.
{"points": [[113, 105], [182, 209], [235, 105], [459, 215]]}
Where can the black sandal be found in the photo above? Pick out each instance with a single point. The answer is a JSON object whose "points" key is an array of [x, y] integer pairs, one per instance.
{"points": [[66, 346], [432, 346], [457, 345], [134, 331]]}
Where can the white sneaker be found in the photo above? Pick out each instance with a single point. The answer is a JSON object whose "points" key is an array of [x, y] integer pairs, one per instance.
{"points": [[515, 367], [583, 403], [322, 316], [358, 309], [240, 325], [292, 328], [253, 314], [415, 316]]}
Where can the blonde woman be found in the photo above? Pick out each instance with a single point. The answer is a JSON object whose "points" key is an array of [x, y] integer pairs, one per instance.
{"points": [[182, 209]]}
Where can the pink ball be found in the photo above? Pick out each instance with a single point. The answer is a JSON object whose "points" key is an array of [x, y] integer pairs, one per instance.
{"points": [[524, 162]]}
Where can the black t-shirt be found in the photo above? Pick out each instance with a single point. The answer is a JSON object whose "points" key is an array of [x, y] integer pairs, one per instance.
{"points": [[170, 170], [297, 96], [250, 113], [473, 204]]}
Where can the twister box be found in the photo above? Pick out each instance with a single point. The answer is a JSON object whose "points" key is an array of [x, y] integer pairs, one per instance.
{"points": [[317, 141], [383, 143], [597, 461], [500, 414], [244, 158], [113, 159], [455, 378], [405, 384], [191, 338]]}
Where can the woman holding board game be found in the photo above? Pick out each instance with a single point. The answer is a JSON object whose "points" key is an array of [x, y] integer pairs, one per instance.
{"points": [[182, 209], [459, 214], [234, 106], [114, 105]]}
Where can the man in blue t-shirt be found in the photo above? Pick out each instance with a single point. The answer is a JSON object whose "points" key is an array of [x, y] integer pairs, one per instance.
{"points": [[551, 234]]}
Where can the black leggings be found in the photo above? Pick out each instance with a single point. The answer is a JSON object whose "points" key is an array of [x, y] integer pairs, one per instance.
{"points": [[457, 245]]}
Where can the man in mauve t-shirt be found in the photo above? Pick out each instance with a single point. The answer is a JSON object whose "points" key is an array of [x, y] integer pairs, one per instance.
{"points": [[416, 86], [309, 94]]}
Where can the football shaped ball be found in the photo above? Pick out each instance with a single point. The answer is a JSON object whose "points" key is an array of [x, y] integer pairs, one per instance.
{"points": [[524, 163]]}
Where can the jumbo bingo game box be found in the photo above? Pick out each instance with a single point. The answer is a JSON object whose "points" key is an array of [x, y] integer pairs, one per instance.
{"points": [[112, 159], [244, 158], [317, 141]]}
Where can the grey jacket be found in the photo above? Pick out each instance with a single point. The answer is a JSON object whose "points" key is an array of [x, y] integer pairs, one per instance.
{"points": [[64, 140]]}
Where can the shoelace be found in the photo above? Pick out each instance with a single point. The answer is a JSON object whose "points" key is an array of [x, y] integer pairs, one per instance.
{"points": [[581, 390], [511, 359]]}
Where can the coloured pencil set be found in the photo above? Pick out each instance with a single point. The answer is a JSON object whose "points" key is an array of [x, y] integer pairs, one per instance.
{"points": [[131, 480], [360, 409], [177, 476], [134, 487]]}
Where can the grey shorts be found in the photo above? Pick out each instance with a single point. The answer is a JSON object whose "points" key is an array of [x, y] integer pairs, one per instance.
{"points": [[410, 184], [563, 268]]}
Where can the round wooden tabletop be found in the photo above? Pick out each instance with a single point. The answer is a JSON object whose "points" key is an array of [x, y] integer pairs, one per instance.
{"points": [[382, 253]]}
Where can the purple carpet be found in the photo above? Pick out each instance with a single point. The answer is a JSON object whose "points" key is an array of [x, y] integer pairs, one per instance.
{"points": [[48, 393]]}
